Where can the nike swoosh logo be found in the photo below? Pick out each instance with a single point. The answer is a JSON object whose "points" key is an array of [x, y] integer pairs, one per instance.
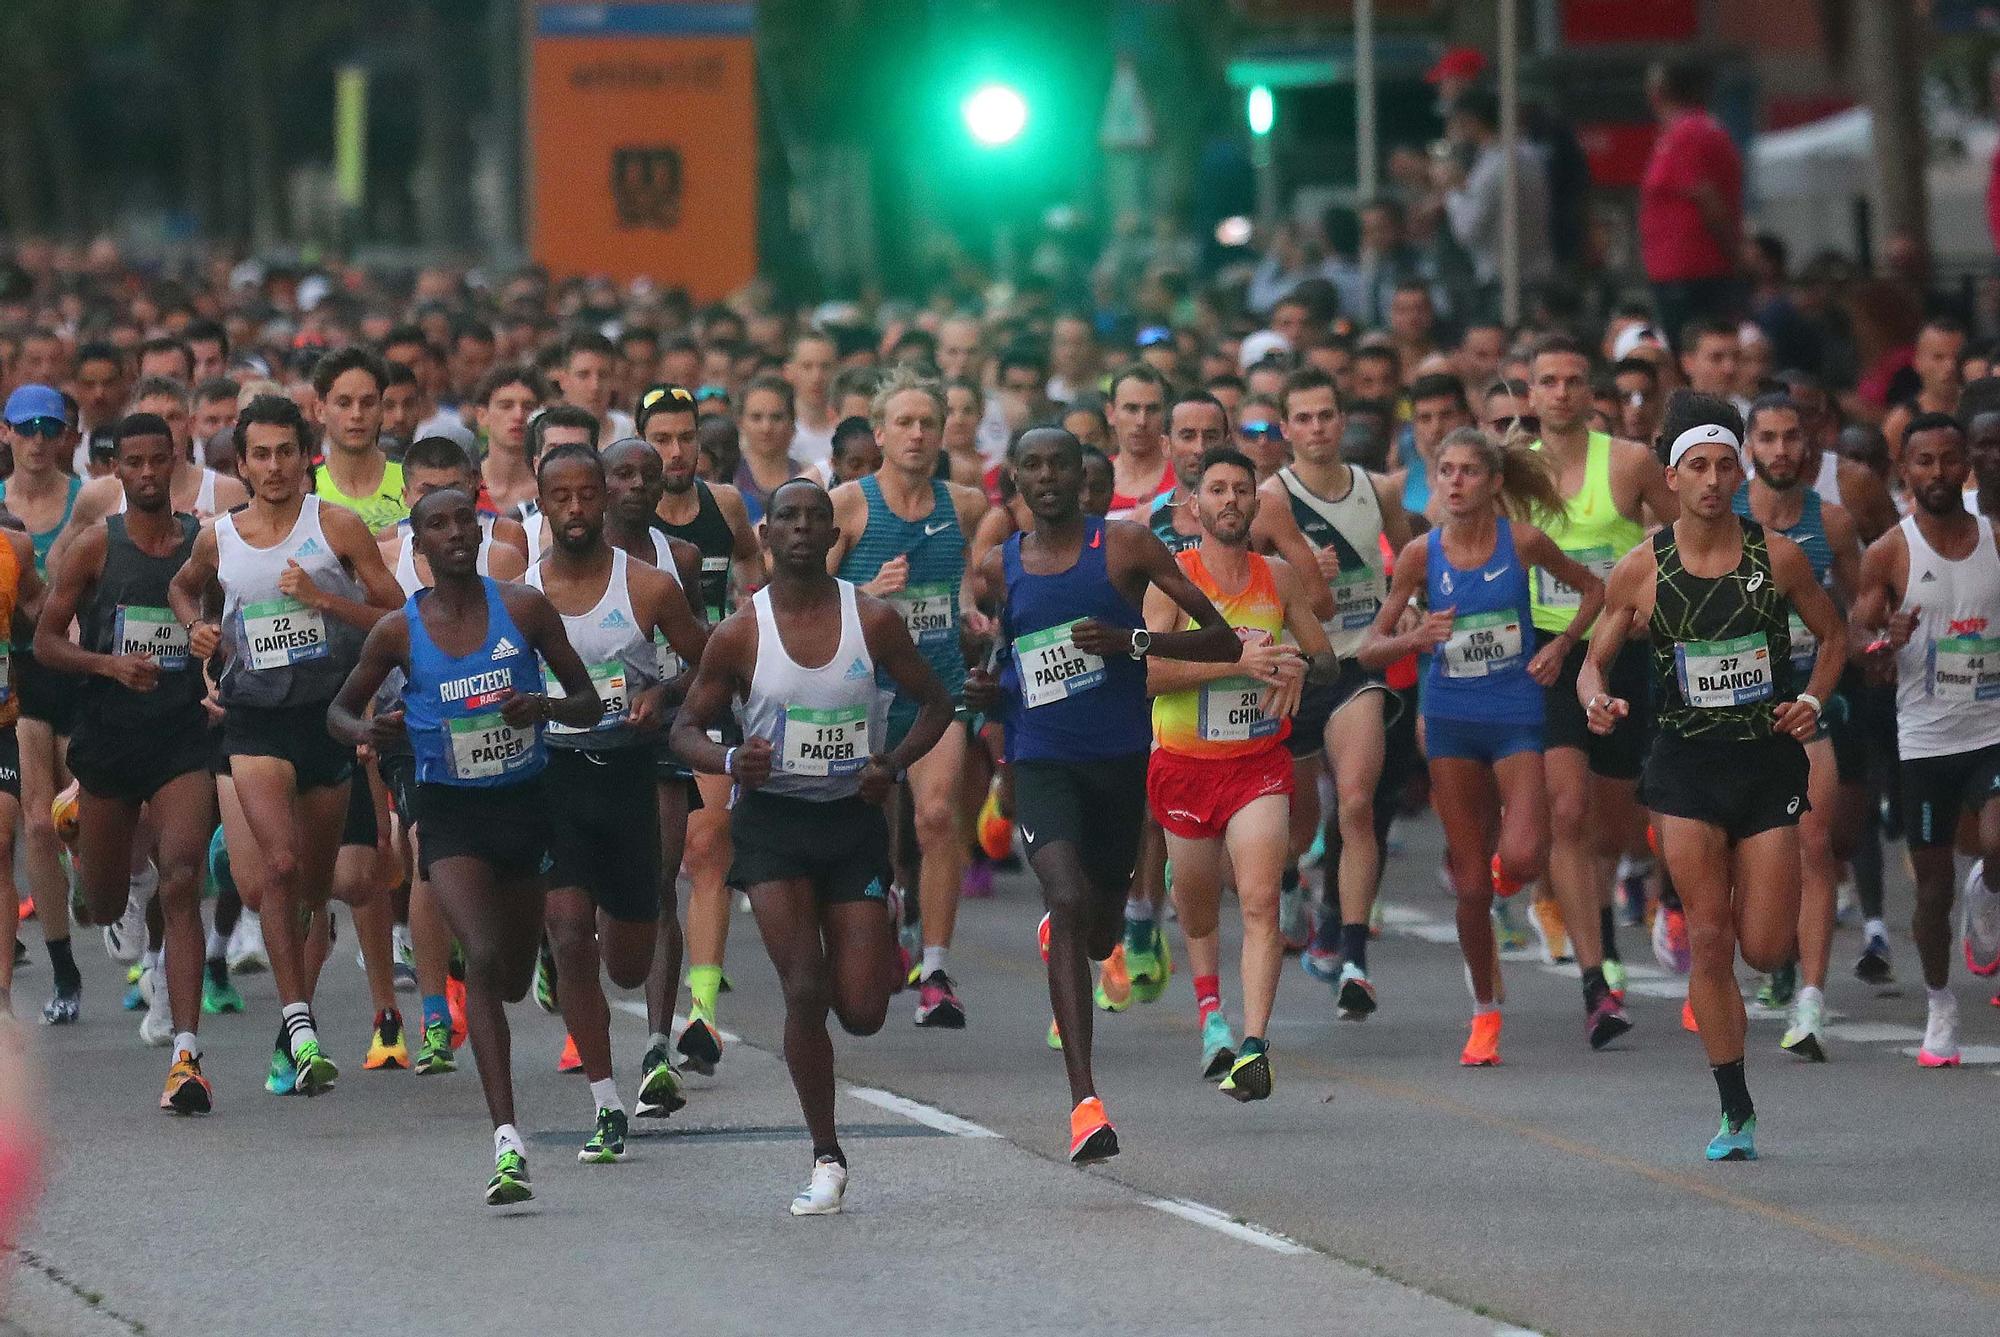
{"points": [[1491, 576], [939, 528]]}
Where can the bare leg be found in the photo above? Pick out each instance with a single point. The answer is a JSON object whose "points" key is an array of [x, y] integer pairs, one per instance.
{"points": [[664, 980], [1085, 921], [1257, 844], [1819, 871], [182, 811], [499, 923]]}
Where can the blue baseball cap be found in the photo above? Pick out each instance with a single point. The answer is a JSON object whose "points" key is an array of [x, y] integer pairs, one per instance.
{"points": [[29, 402]]}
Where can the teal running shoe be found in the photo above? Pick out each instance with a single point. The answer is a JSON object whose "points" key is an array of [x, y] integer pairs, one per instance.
{"points": [[134, 1000], [509, 1183], [283, 1078], [219, 996], [1511, 934], [1218, 1047], [1779, 986], [1738, 1144]]}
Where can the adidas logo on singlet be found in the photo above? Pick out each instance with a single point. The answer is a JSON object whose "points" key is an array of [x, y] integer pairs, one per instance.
{"points": [[505, 649], [310, 548], [614, 621], [1929, 575], [856, 671]]}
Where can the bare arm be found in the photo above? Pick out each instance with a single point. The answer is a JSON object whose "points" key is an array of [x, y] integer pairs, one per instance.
{"points": [[1846, 545], [1134, 549], [718, 679], [1274, 530], [1535, 548], [1658, 500], [748, 556], [93, 503], [387, 647], [53, 647], [1794, 576], [1395, 520], [1383, 645], [352, 543], [889, 644], [1628, 598], [188, 595]]}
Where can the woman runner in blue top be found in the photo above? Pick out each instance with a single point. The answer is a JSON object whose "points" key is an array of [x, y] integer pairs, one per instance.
{"points": [[1482, 686], [473, 712]]}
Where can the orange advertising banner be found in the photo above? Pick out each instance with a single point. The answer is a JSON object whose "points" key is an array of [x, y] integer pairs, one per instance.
{"points": [[642, 124]]}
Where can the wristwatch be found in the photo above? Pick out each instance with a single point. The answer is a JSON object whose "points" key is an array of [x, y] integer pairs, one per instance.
{"points": [[1142, 641]]}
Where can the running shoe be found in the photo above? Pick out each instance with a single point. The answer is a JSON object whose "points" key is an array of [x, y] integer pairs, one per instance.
{"points": [[1688, 1023], [1940, 1047], [247, 954], [660, 1090], [64, 1007], [1734, 1144], [135, 997], [405, 959], [125, 940], [545, 978], [909, 935], [1614, 979], [156, 1028], [1114, 982], [386, 1047], [1670, 940], [218, 991], [1054, 1037], [454, 1002], [569, 1060], [1042, 937], [1321, 964], [1144, 964], [699, 1046], [1218, 1046], [1375, 919], [316, 1072], [509, 1183], [1482, 1048], [1249, 1078], [1606, 1022], [1980, 920], [824, 1192], [1504, 886], [1545, 917], [24, 910], [1091, 1136], [937, 1005], [1508, 935], [1354, 996], [282, 1078], [977, 884], [1295, 916], [187, 1092], [1806, 1036], [435, 1056], [1779, 986], [1873, 967], [996, 830], [1632, 891], [607, 1141]]}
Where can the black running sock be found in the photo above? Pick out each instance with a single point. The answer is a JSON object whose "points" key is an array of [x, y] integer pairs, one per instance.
{"points": [[1594, 987], [68, 978], [1354, 945], [834, 1153], [218, 971], [1252, 1044], [1326, 935], [1735, 1093], [1607, 924]]}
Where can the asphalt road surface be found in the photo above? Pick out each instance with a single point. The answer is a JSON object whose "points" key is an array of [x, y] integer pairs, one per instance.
{"points": [[1382, 1189]]}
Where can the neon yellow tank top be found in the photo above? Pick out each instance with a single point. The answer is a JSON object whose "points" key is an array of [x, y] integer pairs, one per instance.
{"points": [[380, 511], [1226, 718], [1591, 529]]}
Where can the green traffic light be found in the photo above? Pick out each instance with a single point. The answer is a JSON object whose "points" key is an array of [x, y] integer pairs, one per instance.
{"points": [[1262, 110], [995, 115]]}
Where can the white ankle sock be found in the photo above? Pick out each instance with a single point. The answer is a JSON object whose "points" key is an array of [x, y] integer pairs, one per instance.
{"points": [[508, 1138], [933, 960], [604, 1095]]}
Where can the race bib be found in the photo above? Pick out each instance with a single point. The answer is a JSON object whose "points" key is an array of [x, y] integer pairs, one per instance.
{"points": [[1357, 597], [1052, 668], [1552, 593], [669, 663], [486, 746], [1805, 645], [1717, 674], [712, 567], [1482, 643], [823, 742], [6, 673], [1963, 668], [283, 631], [1232, 711], [609, 680], [929, 613], [150, 631]]}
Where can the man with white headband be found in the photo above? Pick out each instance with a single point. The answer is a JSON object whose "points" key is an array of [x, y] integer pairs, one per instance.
{"points": [[1609, 489], [1726, 776]]}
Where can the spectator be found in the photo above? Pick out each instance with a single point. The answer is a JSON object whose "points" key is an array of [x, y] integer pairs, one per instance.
{"points": [[1474, 197], [1794, 342], [1690, 200]]}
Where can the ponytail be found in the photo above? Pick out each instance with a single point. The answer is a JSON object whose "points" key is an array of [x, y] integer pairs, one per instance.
{"points": [[1528, 487]]}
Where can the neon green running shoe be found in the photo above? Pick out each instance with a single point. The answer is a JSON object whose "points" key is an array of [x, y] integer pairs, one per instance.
{"points": [[1055, 1035], [1218, 1047], [1149, 965], [316, 1072], [1614, 977], [509, 1183], [1249, 1078], [435, 1055], [1778, 987], [218, 997], [545, 978], [660, 1092], [607, 1141], [283, 1078]]}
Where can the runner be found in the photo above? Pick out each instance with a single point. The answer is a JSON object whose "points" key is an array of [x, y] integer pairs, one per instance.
{"points": [[1726, 776], [1777, 498], [1609, 487], [142, 738], [503, 408], [299, 580], [634, 483], [712, 516], [1329, 516], [812, 846], [20, 592], [1934, 583], [557, 425], [604, 835], [1072, 694], [470, 649], [1140, 466], [1483, 687], [1219, 779], [902, 538], [356, 473], [769, 429]]}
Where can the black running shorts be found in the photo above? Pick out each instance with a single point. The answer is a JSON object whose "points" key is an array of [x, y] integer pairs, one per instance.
{"points": [[1098, 806], [604, 828], [1937, 789], [295, 734], [1620, 754], [504, 827], [839, 845], [1744, 787], [127, 766]]}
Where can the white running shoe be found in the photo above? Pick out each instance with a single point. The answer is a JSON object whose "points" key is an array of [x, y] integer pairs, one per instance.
{"points": [[156, 1028], [1979, 920], [823, 1195], [125, 940], [1806, 1037], [246, 945], [405, 958], [1940, 1036]]}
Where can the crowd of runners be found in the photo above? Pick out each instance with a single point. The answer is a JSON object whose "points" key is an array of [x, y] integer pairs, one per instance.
{"points": [[503, 634]]}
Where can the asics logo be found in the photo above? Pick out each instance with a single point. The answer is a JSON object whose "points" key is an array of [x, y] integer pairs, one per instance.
{"points": [[505, 649], [1755, 583], [1792, 808], [931, 531]]}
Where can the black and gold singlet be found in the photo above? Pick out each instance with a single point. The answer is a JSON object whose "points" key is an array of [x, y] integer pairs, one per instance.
{"points": [[1722, 647]]}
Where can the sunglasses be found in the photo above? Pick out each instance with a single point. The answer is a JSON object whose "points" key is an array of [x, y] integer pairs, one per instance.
{"points": [[1531, 423], [49, 427], [708, 392], [659, 392], [1261, 431]]}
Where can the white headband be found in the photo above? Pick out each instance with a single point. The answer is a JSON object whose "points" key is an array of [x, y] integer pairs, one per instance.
{"points": [[1700, 436]]}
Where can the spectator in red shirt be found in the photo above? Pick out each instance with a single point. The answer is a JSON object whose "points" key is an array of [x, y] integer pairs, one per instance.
{"points": [[1690, 201]]}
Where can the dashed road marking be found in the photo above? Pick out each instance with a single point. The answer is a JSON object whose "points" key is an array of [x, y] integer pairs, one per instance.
{"points": [[928, 1115], [1201, 1214]]}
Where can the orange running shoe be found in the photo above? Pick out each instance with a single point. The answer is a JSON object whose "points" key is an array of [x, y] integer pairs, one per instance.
{"points": [[27, 909], [570, 1060], [1687, 1018], [1091, 1136], [996, 830], [1114, 982], [1504, 886], [1482, 1050], [454, 1002], [187, 1092]]}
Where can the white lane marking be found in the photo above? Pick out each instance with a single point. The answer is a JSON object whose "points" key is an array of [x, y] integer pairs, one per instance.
{"points": [[916, 1110], [638, 1009], [1874, 1032], [1201, 1214]]}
